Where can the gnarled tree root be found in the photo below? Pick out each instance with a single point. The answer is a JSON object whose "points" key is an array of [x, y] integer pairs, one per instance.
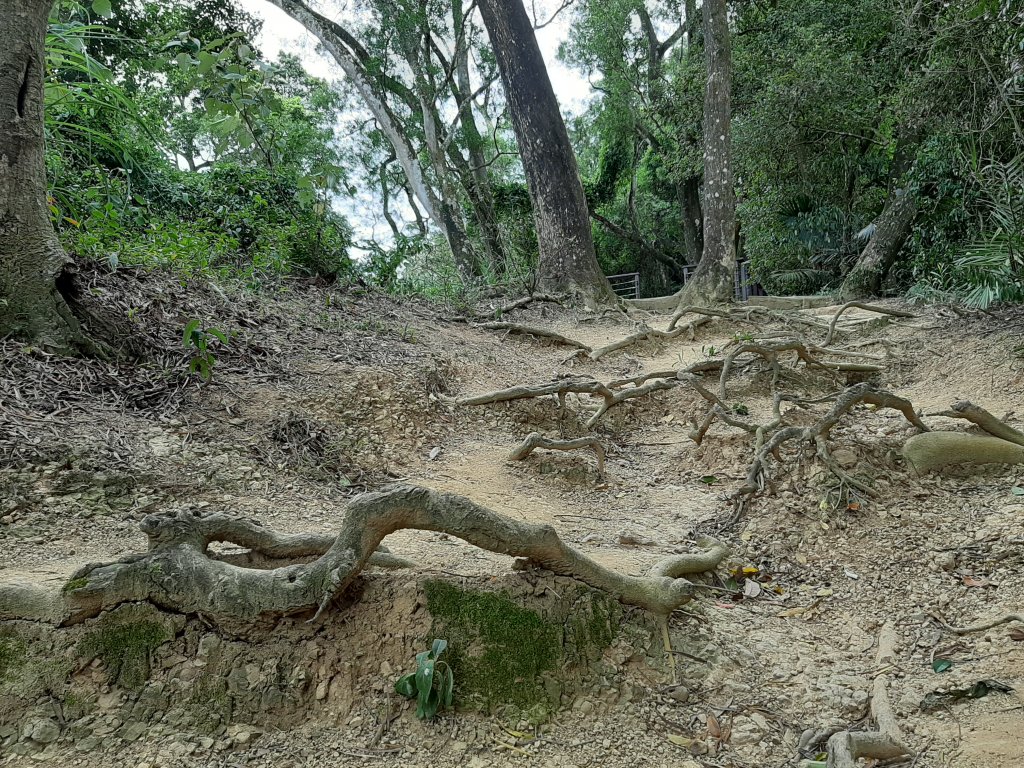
{"points": [[846, 748], [532, 330], [646, 333], [536, 440], [861, 305], [844, 401], [178, 574], [985, 420], [520, 303], [982, 626]]}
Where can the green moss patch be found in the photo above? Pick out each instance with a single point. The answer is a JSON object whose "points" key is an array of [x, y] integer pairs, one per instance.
{"points": [[126, 649], [74, 584], [12, 655], [503, 653]]}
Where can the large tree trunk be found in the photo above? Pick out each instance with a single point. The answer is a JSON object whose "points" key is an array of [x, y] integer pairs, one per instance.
{"points": [[713, 282], [31, 258], [891, 231], [568, 263]]}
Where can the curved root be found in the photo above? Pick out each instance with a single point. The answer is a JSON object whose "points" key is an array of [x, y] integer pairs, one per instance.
{"points": [[178, 574], [861, 305], [536, 440]]}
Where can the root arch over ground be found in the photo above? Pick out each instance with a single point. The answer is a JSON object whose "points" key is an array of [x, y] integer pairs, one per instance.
{"points": [[180, 574]]}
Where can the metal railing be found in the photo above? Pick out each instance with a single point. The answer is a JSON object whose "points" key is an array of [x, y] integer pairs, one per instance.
{"points": [[627, 285]]}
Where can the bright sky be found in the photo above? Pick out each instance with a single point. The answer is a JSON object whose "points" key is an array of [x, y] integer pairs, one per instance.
{"points": [[282, 33]]}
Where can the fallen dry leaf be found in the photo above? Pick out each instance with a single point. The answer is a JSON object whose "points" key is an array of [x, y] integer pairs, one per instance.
{"points": [[713, 727], [974, 581]]}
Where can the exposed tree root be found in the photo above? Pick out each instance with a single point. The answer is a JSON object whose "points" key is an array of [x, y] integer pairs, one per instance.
{"points": [[178, 574], [985, 420], [536, 440], [846, 748], [560, 388], [613, 394], [770, 352], [1003, 444], [937, 450], [844, 401], [860, 305], [646, 333], [983, 626], [525, 300], [530, 330]]}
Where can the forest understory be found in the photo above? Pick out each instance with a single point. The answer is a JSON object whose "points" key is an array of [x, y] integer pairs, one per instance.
{"points": [[834, 611]]}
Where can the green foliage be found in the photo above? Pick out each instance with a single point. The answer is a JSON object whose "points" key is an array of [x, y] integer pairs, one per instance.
{"points": [[130, 98], [992, 267], [432, 684], [199, 339], [74, 584], [125, 648]]}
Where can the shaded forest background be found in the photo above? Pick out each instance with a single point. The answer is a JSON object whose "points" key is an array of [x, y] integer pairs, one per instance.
{"points": [[173, 142]]}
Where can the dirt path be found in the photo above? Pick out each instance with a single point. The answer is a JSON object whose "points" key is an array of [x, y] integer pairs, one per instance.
{"points": [[778, 663]]}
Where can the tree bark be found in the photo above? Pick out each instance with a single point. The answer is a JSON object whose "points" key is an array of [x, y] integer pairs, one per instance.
{"points": [[31, 258], [713, 282], [892, 227], [891, 231], [568, 263], [688, 193]]}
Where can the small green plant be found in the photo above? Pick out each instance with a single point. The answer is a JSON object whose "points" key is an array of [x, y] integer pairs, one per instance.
{"points": [[709, 350], [198, 338], [431, 684], [740, 409]]}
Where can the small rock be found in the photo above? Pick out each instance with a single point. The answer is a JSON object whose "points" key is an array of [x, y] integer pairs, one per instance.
{"points": [[946, 560], [44, 731], [679, 693], [845, 458]]}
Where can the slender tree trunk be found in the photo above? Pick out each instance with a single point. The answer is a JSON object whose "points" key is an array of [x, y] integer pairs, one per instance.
{"points": [[385, 194], [690, 20], [479, 185], [336, 41], [567, 263], [31, 258], [713, 282], [892, 229]]}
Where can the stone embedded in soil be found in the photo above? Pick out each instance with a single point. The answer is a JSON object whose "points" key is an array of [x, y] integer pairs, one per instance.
{"points": [[43, 731]]}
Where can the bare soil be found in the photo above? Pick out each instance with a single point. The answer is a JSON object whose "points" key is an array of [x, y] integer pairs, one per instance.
{"points": [[323, 392]]}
